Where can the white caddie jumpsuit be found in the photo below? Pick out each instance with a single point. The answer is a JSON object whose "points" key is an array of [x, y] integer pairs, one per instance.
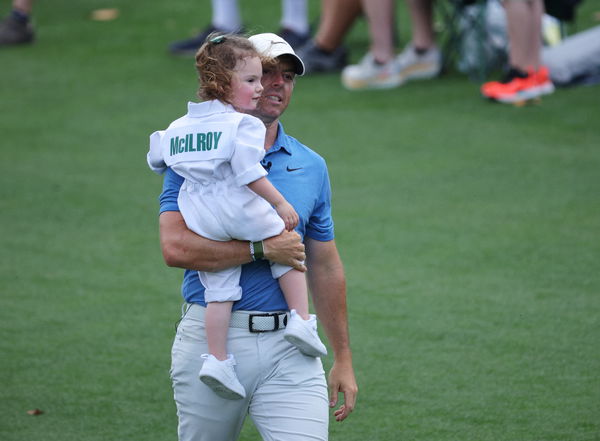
{"points": [[218, 151]]}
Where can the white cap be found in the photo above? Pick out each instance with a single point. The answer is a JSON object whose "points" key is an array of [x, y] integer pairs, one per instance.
{"points": [[272, 45]]}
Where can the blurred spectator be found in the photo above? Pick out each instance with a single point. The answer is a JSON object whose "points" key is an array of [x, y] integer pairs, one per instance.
{"points": [[16, 28], [381, 67], [226, 18]]}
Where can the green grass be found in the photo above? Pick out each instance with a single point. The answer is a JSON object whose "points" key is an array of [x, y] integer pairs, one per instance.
{"points": [[469, 231]]}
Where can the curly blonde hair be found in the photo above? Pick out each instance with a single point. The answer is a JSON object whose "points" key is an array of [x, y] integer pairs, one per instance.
{"points": [[216, 60]]}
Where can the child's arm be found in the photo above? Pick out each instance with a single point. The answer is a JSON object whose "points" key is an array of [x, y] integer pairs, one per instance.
{"points": [[265, 189]]}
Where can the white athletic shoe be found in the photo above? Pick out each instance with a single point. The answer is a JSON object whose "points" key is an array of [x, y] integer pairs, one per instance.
{"points": [[408, 65], [220, 376], [412, 66], [303, 334], [369, 75]]}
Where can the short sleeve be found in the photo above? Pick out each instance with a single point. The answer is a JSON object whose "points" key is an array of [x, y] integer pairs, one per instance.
{"points": [[171, 184], [248, 151], [320, 223]]}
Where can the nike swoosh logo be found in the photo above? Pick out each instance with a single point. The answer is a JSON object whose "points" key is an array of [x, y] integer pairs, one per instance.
{"points": [[292, 169]]}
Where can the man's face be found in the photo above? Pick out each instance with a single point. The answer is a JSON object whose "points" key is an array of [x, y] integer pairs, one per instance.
{"points": [[278, 85]]}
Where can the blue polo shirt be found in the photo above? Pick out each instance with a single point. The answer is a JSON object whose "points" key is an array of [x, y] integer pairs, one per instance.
{"points": [[301, 176]]}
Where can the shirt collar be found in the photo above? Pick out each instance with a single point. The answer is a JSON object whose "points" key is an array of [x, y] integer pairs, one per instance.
{"points": [[282, 142], [208, 107]]}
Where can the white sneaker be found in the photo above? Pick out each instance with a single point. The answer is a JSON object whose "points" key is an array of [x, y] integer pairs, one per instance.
{"points": [[220, 376], [370, 75], [303, 334], [412, 66]]}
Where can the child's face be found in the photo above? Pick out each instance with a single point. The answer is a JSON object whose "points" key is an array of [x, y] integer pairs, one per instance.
{"points": [[245, 84]]}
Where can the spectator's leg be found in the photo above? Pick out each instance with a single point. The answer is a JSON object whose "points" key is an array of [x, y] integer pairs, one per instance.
{"points": [[380, 14], [226, 15], [325, 52], [421, 15], [337, 17]]}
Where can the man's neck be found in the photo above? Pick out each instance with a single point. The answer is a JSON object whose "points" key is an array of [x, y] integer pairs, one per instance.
{"points": [[271, 134]]}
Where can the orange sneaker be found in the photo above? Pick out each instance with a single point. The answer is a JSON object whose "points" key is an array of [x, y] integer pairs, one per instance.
{"points": [[516, 86], [489, 89], [519, 86], [543, 81]]}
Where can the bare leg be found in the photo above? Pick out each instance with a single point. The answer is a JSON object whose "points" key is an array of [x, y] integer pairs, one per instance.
{"points": [[217, 319], [421, 15], [524, 32], [517, 18], [337, 16], [380, 15], [301, 329], [535, 48], [293, 285]]}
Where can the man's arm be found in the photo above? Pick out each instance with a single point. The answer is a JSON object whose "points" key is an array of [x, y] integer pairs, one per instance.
{"points": [[327, 285], [183, 248]]}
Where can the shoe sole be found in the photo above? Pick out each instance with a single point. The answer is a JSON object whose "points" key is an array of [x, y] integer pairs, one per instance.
{"points": [[546, 89], [220, 389], [530, 94], [522, 96], [515, 99], [420, 71], [305, 347], [390, 83], [415, 72]]}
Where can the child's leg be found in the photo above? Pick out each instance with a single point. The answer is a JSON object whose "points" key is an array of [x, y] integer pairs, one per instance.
{"points": [[293, 285], [216, 321], [301, 329], [218, 370]]}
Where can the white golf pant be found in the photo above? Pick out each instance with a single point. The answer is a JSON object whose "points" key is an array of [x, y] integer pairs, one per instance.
{"points": [[286, 390]]}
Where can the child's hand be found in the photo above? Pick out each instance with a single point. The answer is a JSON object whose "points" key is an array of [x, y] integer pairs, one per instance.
{"points": [[288, 214]]}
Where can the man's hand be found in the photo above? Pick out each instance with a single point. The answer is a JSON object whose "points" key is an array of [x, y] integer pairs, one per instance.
{"points": [[341, 380], [285, 249]]}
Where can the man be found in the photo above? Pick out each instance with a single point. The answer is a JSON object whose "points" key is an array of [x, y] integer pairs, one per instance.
{"points": [[286, 391]]}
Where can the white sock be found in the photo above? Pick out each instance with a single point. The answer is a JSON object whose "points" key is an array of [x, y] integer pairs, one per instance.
{"points": [[226, 15], [294, 16]]}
